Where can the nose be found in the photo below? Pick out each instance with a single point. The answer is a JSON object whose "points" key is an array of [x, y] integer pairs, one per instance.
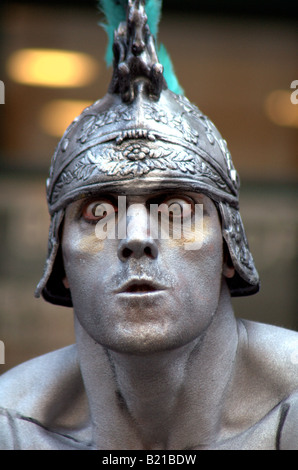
{"points": [[138, 241]]}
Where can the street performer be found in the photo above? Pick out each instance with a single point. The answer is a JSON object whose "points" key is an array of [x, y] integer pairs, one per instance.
{"points": [[160, 360]]}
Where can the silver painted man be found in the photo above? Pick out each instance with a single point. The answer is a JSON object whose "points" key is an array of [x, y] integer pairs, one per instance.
{"points": [[160, 360]]}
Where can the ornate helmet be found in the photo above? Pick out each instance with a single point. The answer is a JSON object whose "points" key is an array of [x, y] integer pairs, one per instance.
{"points": [[141, 130]]}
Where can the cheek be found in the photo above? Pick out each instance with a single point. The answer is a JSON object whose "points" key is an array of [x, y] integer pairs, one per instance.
{"points": [[203, 235], [212, 256], [79, 242], [203, 247], [80, 250], [200, 271], [89, 245]]}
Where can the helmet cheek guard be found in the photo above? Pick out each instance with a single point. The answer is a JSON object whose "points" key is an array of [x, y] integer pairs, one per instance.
{"points": [[51, 284], [143, 132], [246, 279]]}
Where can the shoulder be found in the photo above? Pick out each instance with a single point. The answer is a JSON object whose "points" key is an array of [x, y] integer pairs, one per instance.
{"points": [[273, 353], [43, 391], [34, 379], [266, 374]]}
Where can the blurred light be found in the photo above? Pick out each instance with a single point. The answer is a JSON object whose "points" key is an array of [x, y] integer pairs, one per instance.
{"points": [[58, 114], [52, 68], [280, 109]]}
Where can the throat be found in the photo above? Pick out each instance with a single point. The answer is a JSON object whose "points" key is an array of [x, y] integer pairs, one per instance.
{"points": [[150, 390]]}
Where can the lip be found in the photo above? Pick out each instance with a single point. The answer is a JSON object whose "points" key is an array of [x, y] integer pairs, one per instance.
{"points": [[141, 286]]}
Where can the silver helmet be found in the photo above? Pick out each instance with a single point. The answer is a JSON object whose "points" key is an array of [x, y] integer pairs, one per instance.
{"points": [[142, 131]]}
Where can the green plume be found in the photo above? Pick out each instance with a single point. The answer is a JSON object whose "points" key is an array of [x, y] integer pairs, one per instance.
{"points": [[115, 12], [168, 72]]}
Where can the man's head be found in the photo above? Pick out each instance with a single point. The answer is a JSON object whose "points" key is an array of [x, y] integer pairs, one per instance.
{"points": [[143, 138]]}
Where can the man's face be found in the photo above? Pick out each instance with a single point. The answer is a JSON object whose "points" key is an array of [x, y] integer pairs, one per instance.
{"points": [[142, 294]]}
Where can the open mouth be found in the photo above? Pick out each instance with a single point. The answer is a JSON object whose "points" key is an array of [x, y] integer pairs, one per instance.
{"points": [[140, 286]]}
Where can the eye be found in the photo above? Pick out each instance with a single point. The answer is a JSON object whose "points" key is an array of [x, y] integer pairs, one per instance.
{"points": [[98, 210], [177, 207]]}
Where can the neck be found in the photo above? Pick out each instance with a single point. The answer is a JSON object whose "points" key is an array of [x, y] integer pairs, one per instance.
{"points": [[165, 400]]}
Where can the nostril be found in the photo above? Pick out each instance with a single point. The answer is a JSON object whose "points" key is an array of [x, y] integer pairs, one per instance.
{"points": [[136, 249], [148, 251], [126, 253]]}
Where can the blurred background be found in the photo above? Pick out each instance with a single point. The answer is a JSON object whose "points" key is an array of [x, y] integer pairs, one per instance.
{"points": [[235, 60]]}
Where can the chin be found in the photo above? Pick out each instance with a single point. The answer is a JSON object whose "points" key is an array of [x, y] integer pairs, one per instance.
{"points": [[144, 339], [155, 324]]}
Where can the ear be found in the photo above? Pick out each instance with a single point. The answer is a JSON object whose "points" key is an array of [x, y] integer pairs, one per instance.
{"points": [[228, 269], [65, 282]]}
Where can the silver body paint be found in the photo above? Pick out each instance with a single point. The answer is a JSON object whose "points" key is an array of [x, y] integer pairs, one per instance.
{"points": [[160, 361]]}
